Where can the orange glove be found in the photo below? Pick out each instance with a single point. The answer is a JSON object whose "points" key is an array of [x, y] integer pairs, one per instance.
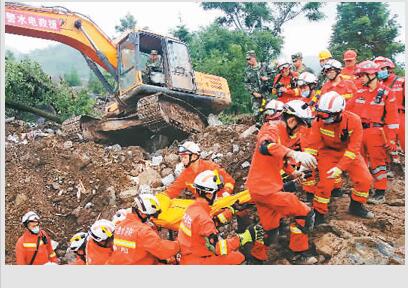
{"points": [[225, 216]]}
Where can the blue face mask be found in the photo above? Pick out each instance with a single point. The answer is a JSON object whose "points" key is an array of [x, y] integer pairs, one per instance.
{"points": [[305, 94], [36, 229], [383, 74]]}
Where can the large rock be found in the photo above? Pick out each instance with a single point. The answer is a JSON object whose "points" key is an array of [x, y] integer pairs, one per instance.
{"points": [[365, 250], [166, 171], [328, 245], [150, 177], [129, 193], [171, 159], [20, 198]]}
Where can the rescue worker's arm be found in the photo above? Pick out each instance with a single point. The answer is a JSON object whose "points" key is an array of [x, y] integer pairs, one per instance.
{"points": [[178, 185], [314, 140], [20, 255], [269, 145], [391, 119], [160, 248], [355, 132], [52, 257]]}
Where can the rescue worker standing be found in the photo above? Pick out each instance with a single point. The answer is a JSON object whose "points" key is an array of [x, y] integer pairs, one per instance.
{"points": [[284, 84], [376, 105], [256, 83], [335, 138], [136, 242], [200, 243], [99, 245], [265, 183], [297, 64], [397, 86], [34, 246], [350, 61], [77, 245]]}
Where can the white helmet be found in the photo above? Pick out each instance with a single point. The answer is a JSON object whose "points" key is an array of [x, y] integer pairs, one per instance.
{"points": [[102, 230], [300, 110], [189, 147], [331, 102], [332, 64], [273, 109], [282, 62], [208, 182], [77, 241], [306, 78], [120, 215], [147, 204], [30, 216]]}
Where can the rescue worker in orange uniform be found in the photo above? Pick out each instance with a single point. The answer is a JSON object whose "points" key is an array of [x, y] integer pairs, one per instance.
{"points": [[189, 153], [34, 246], [335, 138], [99, 245], [350, 61], [336, 80], [120, 215], [77, 244], [265, 183], [397, 86], [376, 105], [284, 83], [136, 241], [200, 243]]}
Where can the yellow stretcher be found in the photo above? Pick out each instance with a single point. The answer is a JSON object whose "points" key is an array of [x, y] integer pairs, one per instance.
{"points": [[173, 209]]}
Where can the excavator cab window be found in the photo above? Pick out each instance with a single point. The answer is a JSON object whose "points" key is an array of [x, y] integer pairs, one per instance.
{"points": [[127, 72]]}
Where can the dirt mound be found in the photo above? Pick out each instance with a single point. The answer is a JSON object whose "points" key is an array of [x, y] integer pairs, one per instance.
{"points": [[71, 184]]}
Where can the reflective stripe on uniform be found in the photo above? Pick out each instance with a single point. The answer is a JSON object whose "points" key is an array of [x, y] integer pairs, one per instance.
{"points": [[294, 229], [350, 154], [124, 243], [378, 169], [185, 229], [337, 180], [321, 199], [309, 183], [393, 126], [327, 132], [223, 247], [29, 245], [222, 218], [359, 193], [311, 151], [347, 96], [53, 254], [381, 176]]}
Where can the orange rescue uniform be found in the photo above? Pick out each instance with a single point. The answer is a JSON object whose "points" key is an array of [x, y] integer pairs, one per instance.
{"points": [[186, 178], [376, 109], [348, 73], [265, 184], [325, 142], [346, 88], [291, 93], [195, 227], [137, 243], [95, 254], [26, 246]]}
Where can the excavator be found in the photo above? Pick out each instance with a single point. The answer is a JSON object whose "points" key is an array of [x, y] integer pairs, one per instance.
{"points": [[148, 110]]}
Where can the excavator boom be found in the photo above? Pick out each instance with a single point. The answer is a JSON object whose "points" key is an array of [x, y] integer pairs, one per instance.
{"points": [[62, 25]]}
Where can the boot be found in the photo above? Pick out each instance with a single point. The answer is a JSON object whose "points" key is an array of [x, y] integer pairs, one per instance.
{"points": [[271, 236], [337, 192], [378, 197], [358, 209], [319, 218], [309, 197]]}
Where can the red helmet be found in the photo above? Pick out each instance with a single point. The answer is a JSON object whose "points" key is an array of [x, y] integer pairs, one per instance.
{"points": [[384, 62], [368, 67], [349, 55]]}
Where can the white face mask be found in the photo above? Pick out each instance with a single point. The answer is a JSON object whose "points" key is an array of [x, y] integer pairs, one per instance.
{"points": [[36, 229]]}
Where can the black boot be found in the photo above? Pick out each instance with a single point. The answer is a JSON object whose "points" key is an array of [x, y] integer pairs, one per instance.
{"points": [[319, 218], [309, 197], [358, 209], [337, 192], [271, 236], [378, 197]]}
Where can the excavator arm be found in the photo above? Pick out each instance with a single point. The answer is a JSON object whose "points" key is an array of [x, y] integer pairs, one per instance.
{"points": [[64, 26]]}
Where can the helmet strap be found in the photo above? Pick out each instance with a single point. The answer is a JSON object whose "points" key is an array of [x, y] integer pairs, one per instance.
{"points": [[370, 80], [142, 217], [190, 156]]}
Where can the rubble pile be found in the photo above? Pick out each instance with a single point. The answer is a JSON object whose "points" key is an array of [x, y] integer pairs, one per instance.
{"points": [[72, 183]]}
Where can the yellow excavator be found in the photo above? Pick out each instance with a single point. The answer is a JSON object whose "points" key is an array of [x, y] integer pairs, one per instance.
{"points": [[174, 103]]}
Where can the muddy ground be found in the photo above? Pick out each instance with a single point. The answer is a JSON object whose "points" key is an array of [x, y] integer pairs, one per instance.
{"points": [[72, 183]]}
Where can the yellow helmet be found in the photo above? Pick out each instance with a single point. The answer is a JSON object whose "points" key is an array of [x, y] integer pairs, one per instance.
{"points": [[325, 54]]}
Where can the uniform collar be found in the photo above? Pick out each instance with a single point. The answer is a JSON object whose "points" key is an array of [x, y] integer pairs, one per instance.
{"points": [[203, 203]]}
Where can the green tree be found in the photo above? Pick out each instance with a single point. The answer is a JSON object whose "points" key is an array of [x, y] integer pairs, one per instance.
{"points": [[95, 86], [26, 83], [72, 78], [367, 28], [126, 23], [182, 33], [10, 55]]}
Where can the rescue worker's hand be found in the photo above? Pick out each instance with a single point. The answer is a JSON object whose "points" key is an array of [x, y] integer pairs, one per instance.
{"points": [[391, 146], [334, 173], [257, 95], [226, 215], [251, 234], [307, 160], [283, 89], [264, 78]]}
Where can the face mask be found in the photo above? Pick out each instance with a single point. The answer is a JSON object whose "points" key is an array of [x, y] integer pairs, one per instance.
{"points": [[383, 74], [36, 229], [305, 94]]}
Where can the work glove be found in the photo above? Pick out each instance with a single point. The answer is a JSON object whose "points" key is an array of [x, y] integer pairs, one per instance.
{"points": [[391, 146], [251, 234], [334, 173], [225, 216], [307, 160]]}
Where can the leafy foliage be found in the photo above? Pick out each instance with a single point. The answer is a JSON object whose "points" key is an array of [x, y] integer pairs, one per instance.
{"points": [[367, 28], [126, 23], [72, 78], [28, 84]]}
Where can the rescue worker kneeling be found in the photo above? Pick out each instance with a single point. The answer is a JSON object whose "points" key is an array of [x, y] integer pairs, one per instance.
{"points": [[199, 241], [99, 245], [77, 245], [136, 241]]}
